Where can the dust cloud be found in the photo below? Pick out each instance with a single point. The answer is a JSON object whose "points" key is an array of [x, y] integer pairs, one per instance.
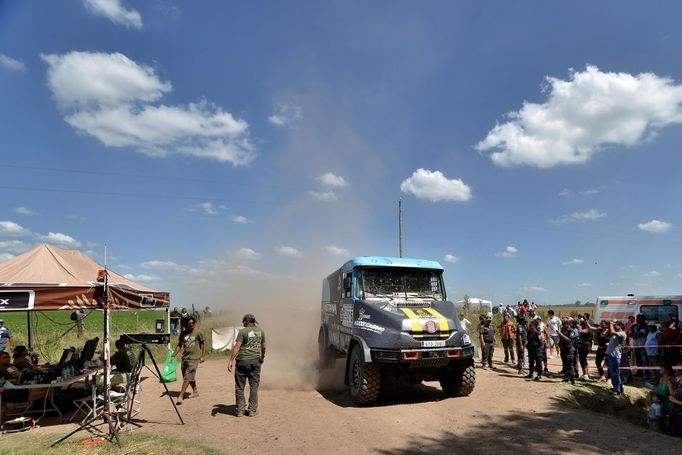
{"points": [[288, 310]]}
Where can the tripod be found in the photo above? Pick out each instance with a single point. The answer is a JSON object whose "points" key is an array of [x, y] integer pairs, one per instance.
{"points": [[135, 380]]}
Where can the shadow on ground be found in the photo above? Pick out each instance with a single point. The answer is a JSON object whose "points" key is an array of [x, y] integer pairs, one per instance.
{"points": [[561, 430], [227, 409]]}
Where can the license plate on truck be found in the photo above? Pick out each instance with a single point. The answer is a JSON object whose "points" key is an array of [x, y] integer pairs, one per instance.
{"points": [[433, 344]]}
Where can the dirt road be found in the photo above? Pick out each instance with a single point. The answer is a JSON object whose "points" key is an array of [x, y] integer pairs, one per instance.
{"points": [[505, 414]]}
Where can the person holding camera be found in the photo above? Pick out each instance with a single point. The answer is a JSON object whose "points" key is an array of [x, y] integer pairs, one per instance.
{"points": [[247, 355]]}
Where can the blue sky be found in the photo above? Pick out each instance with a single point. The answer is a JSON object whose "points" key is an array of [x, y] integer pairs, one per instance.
{"points": [[222, 149]]}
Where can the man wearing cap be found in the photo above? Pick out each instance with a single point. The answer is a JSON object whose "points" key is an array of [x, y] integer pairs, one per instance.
{"points": [[5, 337], [487, 339], [249, 354]]}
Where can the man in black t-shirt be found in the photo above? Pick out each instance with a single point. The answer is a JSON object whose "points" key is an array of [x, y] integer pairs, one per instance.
{"points": [[487, 339], [123, 359]]}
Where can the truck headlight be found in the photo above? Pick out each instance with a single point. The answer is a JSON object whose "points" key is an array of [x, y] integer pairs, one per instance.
{"points": [[466, 339]]}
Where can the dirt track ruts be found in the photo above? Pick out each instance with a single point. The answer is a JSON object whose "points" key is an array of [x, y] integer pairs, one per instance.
{"points": [[505, 412]]}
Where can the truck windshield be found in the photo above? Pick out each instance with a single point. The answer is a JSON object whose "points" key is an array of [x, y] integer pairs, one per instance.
{"points": [[397, 283]]}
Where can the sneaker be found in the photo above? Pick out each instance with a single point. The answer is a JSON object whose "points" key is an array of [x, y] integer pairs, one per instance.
{"points": [[538, 377], [546, 371], [585, 377], [484, 367], [252, 413], [528, 376], [239, 414]]}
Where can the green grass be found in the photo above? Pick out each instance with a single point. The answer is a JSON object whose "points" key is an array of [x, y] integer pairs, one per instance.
{"points": [[32, 442], [54, 330]]}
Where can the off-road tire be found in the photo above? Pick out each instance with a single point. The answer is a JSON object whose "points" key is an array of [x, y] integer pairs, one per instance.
{"points": [[327, 356], [364, 379], [461, 380]]}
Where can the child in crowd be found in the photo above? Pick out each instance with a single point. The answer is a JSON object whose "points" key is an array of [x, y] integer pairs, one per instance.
{"points": [[655, 417]]}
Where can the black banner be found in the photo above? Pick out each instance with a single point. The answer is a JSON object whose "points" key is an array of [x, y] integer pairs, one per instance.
{"points": [[16, 300]]}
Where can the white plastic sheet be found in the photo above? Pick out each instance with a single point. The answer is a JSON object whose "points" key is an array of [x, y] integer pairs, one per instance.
{"points": [[223, 338]]}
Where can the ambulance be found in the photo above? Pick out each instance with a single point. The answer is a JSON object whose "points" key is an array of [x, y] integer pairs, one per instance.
{"points": [[656, 308]]}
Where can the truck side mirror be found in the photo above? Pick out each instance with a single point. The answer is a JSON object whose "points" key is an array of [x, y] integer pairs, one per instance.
{"points": [[348, 283]]}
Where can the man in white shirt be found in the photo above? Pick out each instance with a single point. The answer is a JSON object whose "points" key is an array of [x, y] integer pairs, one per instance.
{"points": [[464, 322], [553, 327]]}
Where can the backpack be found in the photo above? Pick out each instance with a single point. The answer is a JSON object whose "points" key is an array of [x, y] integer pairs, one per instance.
{"points": [[74, 316]]}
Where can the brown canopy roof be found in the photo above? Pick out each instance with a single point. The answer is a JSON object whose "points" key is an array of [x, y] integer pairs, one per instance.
{"points": [[62, 279]]}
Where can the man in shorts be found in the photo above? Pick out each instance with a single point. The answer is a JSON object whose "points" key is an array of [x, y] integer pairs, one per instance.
{"points": [[553, 328], [192, 343], [249, 353]]}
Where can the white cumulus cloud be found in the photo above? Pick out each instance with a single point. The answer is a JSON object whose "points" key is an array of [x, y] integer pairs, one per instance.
{"points": [[11, 64], [14, 246], [289, 251], [573, 261], [110, 97], [247, 254], [142, 277], [582, 115], [450, 258], [115, 12], [168, 266], [652, 274], [435, 187], [286, 114], [60, 239], [240, 219], [509, 252], [655, 226], [206, 207], [323, 195], [12, 228], [589, 215], [530, 288], [25, 211], [336, 251], [331, 180]]}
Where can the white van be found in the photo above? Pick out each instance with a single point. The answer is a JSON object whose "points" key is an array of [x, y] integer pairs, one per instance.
{"points": [[656, 308]]}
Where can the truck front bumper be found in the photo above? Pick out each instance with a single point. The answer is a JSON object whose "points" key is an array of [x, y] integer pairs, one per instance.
{"points": [[422, 358]]}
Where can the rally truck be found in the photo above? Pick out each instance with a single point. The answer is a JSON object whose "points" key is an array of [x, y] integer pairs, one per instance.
{"points": [[390, 317]]}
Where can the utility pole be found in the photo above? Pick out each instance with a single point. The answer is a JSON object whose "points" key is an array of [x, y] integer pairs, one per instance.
{"points": [[400, 225]]}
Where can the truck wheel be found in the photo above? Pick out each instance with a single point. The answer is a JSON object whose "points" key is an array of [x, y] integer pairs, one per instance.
{"points": [[326, 354], [461, 380], [364, 379]]}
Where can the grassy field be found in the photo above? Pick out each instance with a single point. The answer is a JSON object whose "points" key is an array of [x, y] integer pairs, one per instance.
{"points": [[135, 443], [54, 330]]}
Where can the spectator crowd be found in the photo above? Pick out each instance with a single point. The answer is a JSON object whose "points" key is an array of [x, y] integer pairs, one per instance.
{"points": [[624, 351]]}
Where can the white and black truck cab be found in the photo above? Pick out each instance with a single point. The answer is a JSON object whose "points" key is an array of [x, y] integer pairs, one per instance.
{"points": [[390, 316]]}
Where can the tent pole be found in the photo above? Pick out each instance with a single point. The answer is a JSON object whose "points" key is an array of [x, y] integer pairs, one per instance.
{"points": [[106, 409], [168, 324], [29, 323]]}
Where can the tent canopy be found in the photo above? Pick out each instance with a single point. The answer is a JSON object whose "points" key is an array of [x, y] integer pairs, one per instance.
{"points": [[52, 278]]}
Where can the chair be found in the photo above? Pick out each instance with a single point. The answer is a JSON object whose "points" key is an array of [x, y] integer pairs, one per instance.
{"points": [[86, 404]]}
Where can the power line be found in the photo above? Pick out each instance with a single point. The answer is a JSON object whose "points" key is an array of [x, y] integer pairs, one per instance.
{"points": [[140, 176], [136, 195]]}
